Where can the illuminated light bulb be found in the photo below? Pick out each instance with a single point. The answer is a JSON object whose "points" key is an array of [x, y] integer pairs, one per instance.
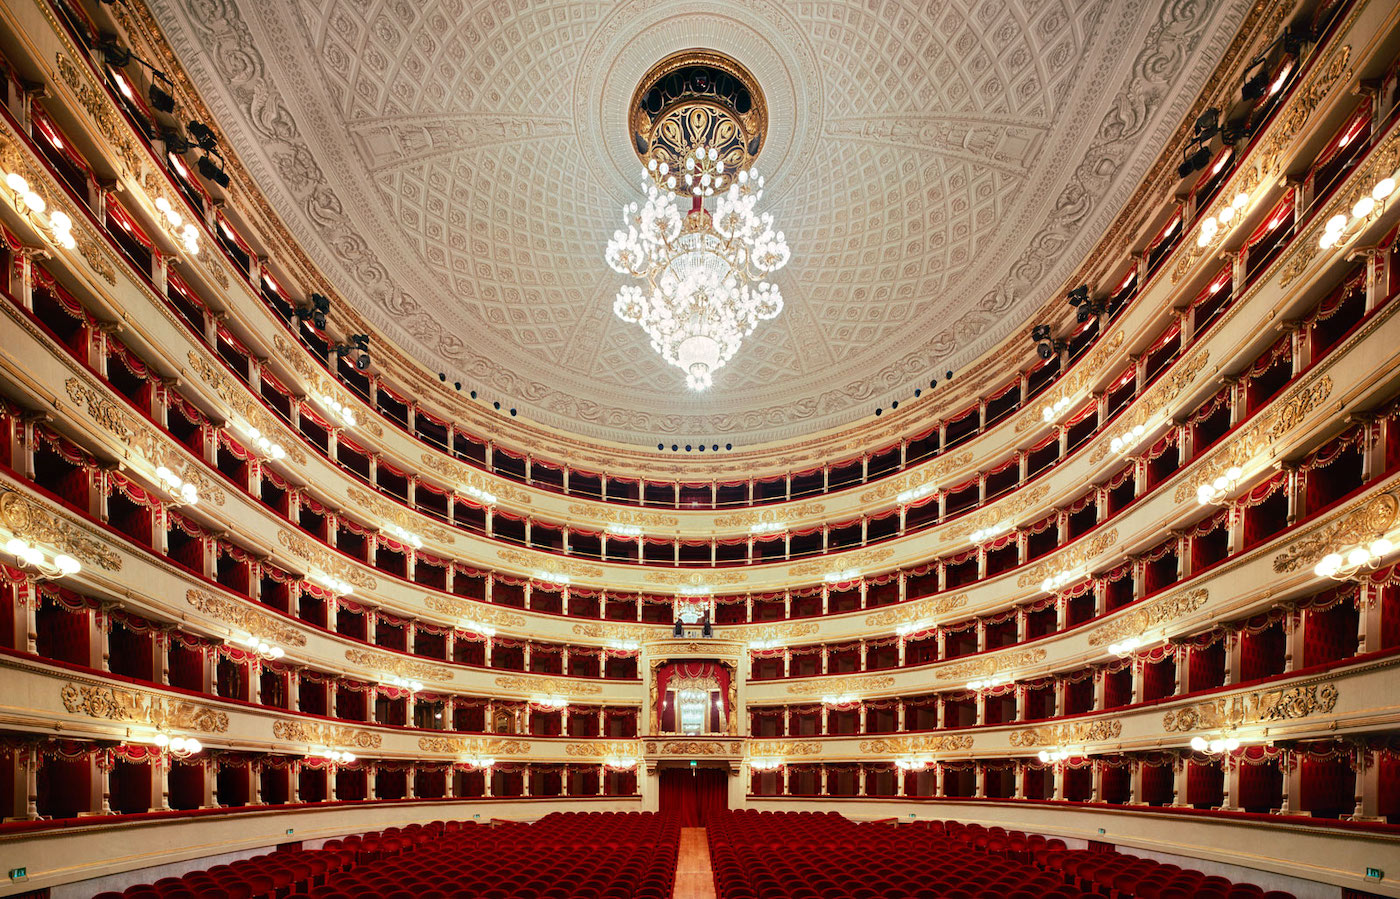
{"points": [[66, 564], [17, 183], [189, 494], [1198, 744], [1240, 200], [1384, 188], [1209, 226], [1226, 214], [278, 652], [1231, 744], [1363, 207], [16, 546], [161, 740], [178, 744], [1337, 223], [1381, 547], [1328, 240], [35, 202], [1329, 565], [60, 220], [163, 204], [1217, 745], [1358, 556], [193, 746]]}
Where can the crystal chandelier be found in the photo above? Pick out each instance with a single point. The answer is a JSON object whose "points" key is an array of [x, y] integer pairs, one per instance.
{"points": [[705, 271]]}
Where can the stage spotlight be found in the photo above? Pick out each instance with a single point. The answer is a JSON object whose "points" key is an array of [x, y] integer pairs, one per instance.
{"points": [[212, 172], [203, 135], [161, 101]]}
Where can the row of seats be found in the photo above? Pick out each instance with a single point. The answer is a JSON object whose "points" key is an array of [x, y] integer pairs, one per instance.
{"points": [[594, 855], [811, 855]]}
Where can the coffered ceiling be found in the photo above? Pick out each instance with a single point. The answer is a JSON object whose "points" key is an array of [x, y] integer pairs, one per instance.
{"points": [[457, 167]]}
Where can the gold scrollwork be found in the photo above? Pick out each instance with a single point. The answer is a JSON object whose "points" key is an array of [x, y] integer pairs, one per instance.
{"points": [[860, 559], [993, 664], [782, 748], [325, 734], [393, 513], [1258, 707], [30, 521], [918, 609], [837, 686], [596, 749], [919, 744], [538, 562], [245, 618], [785, 515], [1075, 556], [237, 398], [121, 704], [1154, 614], [473, 746], [549, 685], [392, 664], [886, 488], [1076, 732], [481, 612], [1376, 515], [327, 561]]}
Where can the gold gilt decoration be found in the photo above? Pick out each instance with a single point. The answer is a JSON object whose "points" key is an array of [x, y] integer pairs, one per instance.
{"points": [[934, 471], [315, 378], [1154, 614], [693, 747], [459, 473], [30, 521], [1375, 515], [243, 405], [547, 685], [861, 559], [784, 515], [597, 749], [1261, 435], [694, 578], [1154, 401], [1078, 378], [112, 417], [318, 734], [1007, 509], [782, 748], [929, 607], [922, 743], [1258, 707], [1078, 555], [1305, 100], [392, 664], [245, 618], [209, 491], [547, 567], [393, 513], [481, 612], [1076, 732], [136, 707], [837, 686], [779, 632], [991, 665], [104, 115], [607, 515], [488, 746], [681, 648], [326, 560], [1190, 252], [622, 632]]}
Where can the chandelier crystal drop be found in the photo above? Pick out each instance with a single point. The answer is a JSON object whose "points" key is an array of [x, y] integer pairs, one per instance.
{"points": [[704, 271]]}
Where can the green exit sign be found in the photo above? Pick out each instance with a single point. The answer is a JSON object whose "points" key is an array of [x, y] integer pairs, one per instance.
{"points": [[1371, 874], [289, 831], [18, 874]]}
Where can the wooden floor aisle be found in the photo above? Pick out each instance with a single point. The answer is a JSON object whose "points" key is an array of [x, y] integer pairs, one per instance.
{"points": [[694, 880]]}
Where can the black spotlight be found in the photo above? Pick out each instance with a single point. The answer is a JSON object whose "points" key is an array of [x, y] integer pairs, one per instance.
{"points": [[1257, 85], [497, 405], [1207, 124], [214, 173], [113, 53], [1045, 350], [729, 446], [674, 448], [1040, 332], [894, 405], [661, 446], [879, 411], [203, 135], [917, 391], [932, 384], [1079, 295], [161, 101], [702, 447], [714, 448], [442, 376], [361, 362], [459, 387], [948, 375], [512, 413], [687, 447]]}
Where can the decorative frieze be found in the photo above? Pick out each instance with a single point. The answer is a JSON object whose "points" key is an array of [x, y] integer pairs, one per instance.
{"points": [[479, 612], [243, 405], [1073, 732], [708, 579], [1154, 402], [1084, 373], [1375, 516], [595, 749], [608, 515], [1154, 614], [1077, 555], [318, 734], [388, 663], [782, 748], [886, 488], [621, 633], [394, 513], [136, 707], [548, 685], [695, 747], [243, 617], [37, 525], [324, 559], [1257, 707], [785, 516], [988, 666], [841, 686], [772, 633], [113, 418], [855, 561], [96, 103], [928, 608], [1006, 510], [550, 567], [473, 746], [919, 744], [461, 474]]}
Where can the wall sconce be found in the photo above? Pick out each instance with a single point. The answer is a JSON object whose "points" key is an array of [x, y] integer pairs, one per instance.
{"points": [[478, 627], [1344, 567], [333, 584], [552, 703], [1216, 745], [1369, 206], [477, 762], [905, 497], [1056, 755], [482, 496], [1055, 581], [32, 558], [768, 527], [765, 763], [402, 683], [625, 530], [338, 409], [404, 535], [1212, 225], [614, 763], [264, 649], [1218, 490], [986, 683], [264, 443], [338, 756], [913, 764], [180, 490], [58, 221], [841, 699], [186, 232], [180, 747], [982, 535]]}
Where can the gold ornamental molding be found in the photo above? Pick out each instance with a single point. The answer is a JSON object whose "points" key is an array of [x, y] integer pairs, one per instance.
{"points": [[837, 686], [389, 663], [242, 404], [1006, 509], [461, 474], [481, 612], [245, 618], [694, 747], [936, 470], [32, 522], [919, 744], [1076, 556], [1260, 436], [695, 578], [1154, 401], [760, 633], [929, 607], [100, 109], [782, 748], [114, 419], [477, 746], [722, 648], [314, 376], [331, 735], [784, 515], [1060, 734], [1154, 614], [987, 667], [549, 685], [548, 567], [620, 632], [324, 559], [1374, 516], [136, 707], [595, 749], [606, 515], [1258, 707], [393, 513], [1301, 106], [1083, 374], [861, 559]]}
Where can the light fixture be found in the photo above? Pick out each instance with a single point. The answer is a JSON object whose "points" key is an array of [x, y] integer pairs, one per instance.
{"points": [[626, 645], [265, 650], [404, 535], [982, 535], [770, 643], [765, 763], [31, 201], [625, 530], [180, 747], [694, 590], [1056, 581], [186, 232], [338, 756], [1128, 439], [403, 683], [1056, 409], [986, 683], [553, 577], [332, 583], [477, 762], [840, 699], [905, 497], [1218, 490], [484, 497], [1214, 745], [1343, 566], [1367, 207], [768, 527], [617, 763], [913, 763], [913, 627], [551, 703], [338, 409], [1125, 646], [479, 627], [33, 559], [265, 444], [1211, 225], [1056, 755], [181, 492], [845, 574]]}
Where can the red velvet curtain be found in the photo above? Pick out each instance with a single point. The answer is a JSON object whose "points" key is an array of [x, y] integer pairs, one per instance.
{"points": [[693, 794]]}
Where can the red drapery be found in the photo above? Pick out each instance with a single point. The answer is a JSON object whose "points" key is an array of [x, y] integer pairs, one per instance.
{"points": [[693, 794]]}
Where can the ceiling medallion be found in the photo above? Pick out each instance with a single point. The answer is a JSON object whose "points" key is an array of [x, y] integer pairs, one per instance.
{"points": [[698, 121]]}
